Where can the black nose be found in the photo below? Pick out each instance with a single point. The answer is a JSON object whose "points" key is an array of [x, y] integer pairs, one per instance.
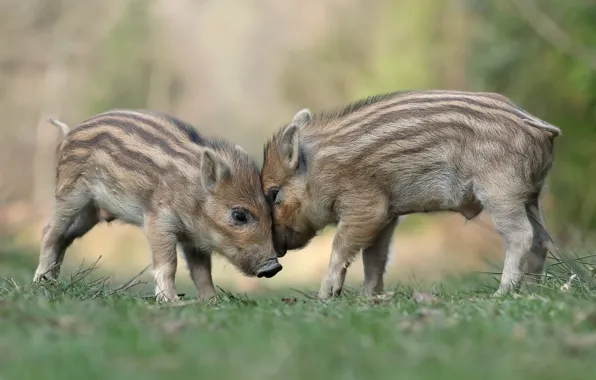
{"points": [[270, 269]]}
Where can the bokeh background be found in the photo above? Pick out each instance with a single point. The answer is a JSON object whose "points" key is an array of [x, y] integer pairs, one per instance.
{"points": [[241, 69]]}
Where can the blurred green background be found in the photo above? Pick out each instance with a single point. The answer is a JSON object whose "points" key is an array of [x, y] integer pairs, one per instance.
{"points": [[241, 69]]}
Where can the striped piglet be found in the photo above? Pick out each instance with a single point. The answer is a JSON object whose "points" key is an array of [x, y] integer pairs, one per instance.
{"points": [[365, 165], [156, 172]]}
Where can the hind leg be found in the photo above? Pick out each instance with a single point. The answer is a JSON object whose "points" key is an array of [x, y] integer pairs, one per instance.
{"points": [[541, 237], [199, 265], [375, 259], [511, 220], [72, 219]]}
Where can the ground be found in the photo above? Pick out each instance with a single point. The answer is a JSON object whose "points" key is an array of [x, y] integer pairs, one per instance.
{"points": [[81, 328]]}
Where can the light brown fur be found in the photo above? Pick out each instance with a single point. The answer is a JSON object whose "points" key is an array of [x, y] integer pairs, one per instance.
{"points": [[156, 172], [366, 165]]}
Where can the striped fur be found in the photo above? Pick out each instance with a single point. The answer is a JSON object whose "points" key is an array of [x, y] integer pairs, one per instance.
{"points": [[155, 171], [364, 165]]}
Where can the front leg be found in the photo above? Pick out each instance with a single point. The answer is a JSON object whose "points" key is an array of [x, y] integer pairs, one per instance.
{"points": [[357, 229], [163, 242], [375, 260], [199, 265]]}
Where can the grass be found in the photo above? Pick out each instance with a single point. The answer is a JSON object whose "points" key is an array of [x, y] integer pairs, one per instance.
{"points": [[84, 327]]}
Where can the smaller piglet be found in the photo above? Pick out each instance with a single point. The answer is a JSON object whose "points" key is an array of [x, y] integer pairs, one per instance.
{"points": [[156, 172]]}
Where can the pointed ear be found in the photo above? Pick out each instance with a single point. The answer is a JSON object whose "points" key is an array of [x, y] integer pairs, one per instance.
{"points": [[303, 117], [289, 146], [213, 169], [241, 149]]}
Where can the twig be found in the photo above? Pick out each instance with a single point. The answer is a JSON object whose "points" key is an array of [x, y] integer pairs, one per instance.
{"points": [[130, 283], [308, 296]]}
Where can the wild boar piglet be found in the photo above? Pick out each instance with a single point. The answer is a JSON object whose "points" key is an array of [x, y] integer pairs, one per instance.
{"points": [[366, 165], [155, 171]]}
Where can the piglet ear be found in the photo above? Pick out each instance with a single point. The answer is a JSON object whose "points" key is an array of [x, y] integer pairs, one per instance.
{"points": [[289, 146], [289, 142], [302, 117], [214, 170], [240, 149]]}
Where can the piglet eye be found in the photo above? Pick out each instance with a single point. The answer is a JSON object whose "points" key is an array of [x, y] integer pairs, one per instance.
{"points": [[240, 217], [273, 194]]}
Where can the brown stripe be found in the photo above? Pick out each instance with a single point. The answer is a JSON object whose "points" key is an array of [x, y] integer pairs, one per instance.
{"points": [[71, 159], [401, 136], [410, 151], [132, 128], [435, 136], [188, 132], [142, 118], [422, 114], [418, 149], [127, 158], [447, 98]]}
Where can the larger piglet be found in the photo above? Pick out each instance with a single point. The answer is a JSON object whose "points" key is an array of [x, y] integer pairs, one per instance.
{"points": [[156, 172], [365, 165]]}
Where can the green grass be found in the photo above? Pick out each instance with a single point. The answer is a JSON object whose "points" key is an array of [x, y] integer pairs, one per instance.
{"points": [[84, 327]]}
